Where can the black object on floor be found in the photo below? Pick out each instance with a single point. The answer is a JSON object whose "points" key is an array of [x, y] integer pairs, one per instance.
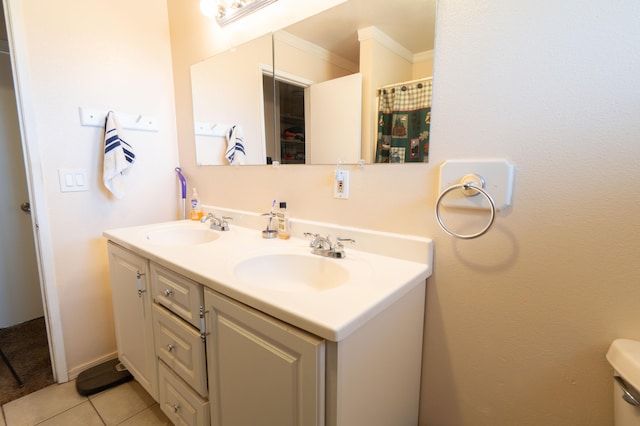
{"points": [[13, 372], [103, 376]]}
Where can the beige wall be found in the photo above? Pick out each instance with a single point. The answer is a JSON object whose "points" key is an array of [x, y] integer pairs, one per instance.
{"points": [[91, 54], [423, 66], [518, 321]]}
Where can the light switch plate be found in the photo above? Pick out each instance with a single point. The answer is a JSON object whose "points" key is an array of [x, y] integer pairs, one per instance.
{"points": [[498, 175], [73, 180]]}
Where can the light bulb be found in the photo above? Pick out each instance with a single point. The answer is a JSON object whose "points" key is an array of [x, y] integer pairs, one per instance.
{"points": [[208, 7]]}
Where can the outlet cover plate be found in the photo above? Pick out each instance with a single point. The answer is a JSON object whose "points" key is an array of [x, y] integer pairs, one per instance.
{"points": [[341, 184]]}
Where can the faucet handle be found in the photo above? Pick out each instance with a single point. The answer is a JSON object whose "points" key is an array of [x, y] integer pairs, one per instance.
{"points": [[339, 247], [224, 222], [314, 236], [345, 240]]}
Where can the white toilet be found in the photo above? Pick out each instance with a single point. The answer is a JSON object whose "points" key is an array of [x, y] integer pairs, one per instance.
{"points": [[624, 357]]}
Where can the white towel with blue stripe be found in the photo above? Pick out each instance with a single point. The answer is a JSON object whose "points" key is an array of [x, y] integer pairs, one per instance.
{"points": [[118, 156], [235, 146]]}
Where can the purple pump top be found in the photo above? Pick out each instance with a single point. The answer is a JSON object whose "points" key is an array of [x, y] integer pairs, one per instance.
{"points": [[183, 181]]}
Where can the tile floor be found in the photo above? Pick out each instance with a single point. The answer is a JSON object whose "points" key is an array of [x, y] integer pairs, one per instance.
{"points": [[61, 405]]}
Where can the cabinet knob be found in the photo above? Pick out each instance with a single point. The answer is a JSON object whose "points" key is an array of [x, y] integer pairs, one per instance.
{"points": [[168, 292], [175, 407], [170, 347]]}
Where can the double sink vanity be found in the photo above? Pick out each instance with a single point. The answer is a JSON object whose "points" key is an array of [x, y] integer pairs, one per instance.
{"points": [[229, 328]]}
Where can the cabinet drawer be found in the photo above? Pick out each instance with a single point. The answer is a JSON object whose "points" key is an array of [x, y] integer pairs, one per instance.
{"points": [[180, 403], [179, 294], [179, 345]]}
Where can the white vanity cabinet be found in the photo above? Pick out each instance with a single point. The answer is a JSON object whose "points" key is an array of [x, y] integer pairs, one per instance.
{"points": [[216, 349], [180, 347], [132, 315], [262, 371]]}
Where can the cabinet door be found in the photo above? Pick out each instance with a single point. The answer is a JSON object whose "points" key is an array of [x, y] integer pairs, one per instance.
{"points": [[132, 314], [261, 370]]}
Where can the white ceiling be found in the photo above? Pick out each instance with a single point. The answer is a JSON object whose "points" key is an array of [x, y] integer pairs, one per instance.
{"points": [[409, 22]]}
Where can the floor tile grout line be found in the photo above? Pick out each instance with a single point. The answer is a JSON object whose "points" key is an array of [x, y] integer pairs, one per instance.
{"points": [[120, 421], [104, 422], [60, 413]]}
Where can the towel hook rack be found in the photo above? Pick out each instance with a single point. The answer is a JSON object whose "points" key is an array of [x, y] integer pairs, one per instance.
{"points": [[471, 185]]}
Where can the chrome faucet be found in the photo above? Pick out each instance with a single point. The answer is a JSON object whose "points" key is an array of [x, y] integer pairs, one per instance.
{"points": [[217, 223], [322, 246]]}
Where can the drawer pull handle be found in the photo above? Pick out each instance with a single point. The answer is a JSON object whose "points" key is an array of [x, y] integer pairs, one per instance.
{"points": [[168, 292], [139, 276], [170, 347], [176, 407], [203, 331]]}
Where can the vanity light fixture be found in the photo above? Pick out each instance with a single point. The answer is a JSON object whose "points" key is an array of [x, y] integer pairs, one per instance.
{"points": [[227, 11]]}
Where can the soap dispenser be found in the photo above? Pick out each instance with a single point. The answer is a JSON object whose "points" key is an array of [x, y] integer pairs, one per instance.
{"points": [[284, 233], [196, 209]]}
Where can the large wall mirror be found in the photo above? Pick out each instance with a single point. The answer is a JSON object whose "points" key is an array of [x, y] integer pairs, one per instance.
{"points": [[351, 83]]}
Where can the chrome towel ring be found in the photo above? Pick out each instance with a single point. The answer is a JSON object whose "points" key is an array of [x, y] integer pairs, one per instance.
{"points": [[470, 185]]}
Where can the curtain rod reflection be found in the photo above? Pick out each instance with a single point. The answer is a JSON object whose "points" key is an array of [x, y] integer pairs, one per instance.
{"points": [[403, 85]]}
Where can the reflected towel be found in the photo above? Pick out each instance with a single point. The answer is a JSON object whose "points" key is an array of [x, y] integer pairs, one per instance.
{"points": [[235, 147], [118, 156]]}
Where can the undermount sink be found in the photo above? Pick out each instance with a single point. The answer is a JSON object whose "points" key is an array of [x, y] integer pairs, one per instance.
{"points": [[181, 236], [292, 272]]}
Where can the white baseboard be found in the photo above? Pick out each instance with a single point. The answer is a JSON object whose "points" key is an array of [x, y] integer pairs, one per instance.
{"points": [[74, 372]]}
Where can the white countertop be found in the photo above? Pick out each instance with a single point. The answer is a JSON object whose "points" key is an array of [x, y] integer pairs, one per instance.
{"points": [[376, 280]]}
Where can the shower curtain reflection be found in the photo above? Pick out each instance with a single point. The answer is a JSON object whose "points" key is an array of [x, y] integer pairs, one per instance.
{"points": [[404, 121]]}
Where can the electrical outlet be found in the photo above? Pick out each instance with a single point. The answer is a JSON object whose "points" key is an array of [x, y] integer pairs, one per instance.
{"points": [[341, 184]]}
